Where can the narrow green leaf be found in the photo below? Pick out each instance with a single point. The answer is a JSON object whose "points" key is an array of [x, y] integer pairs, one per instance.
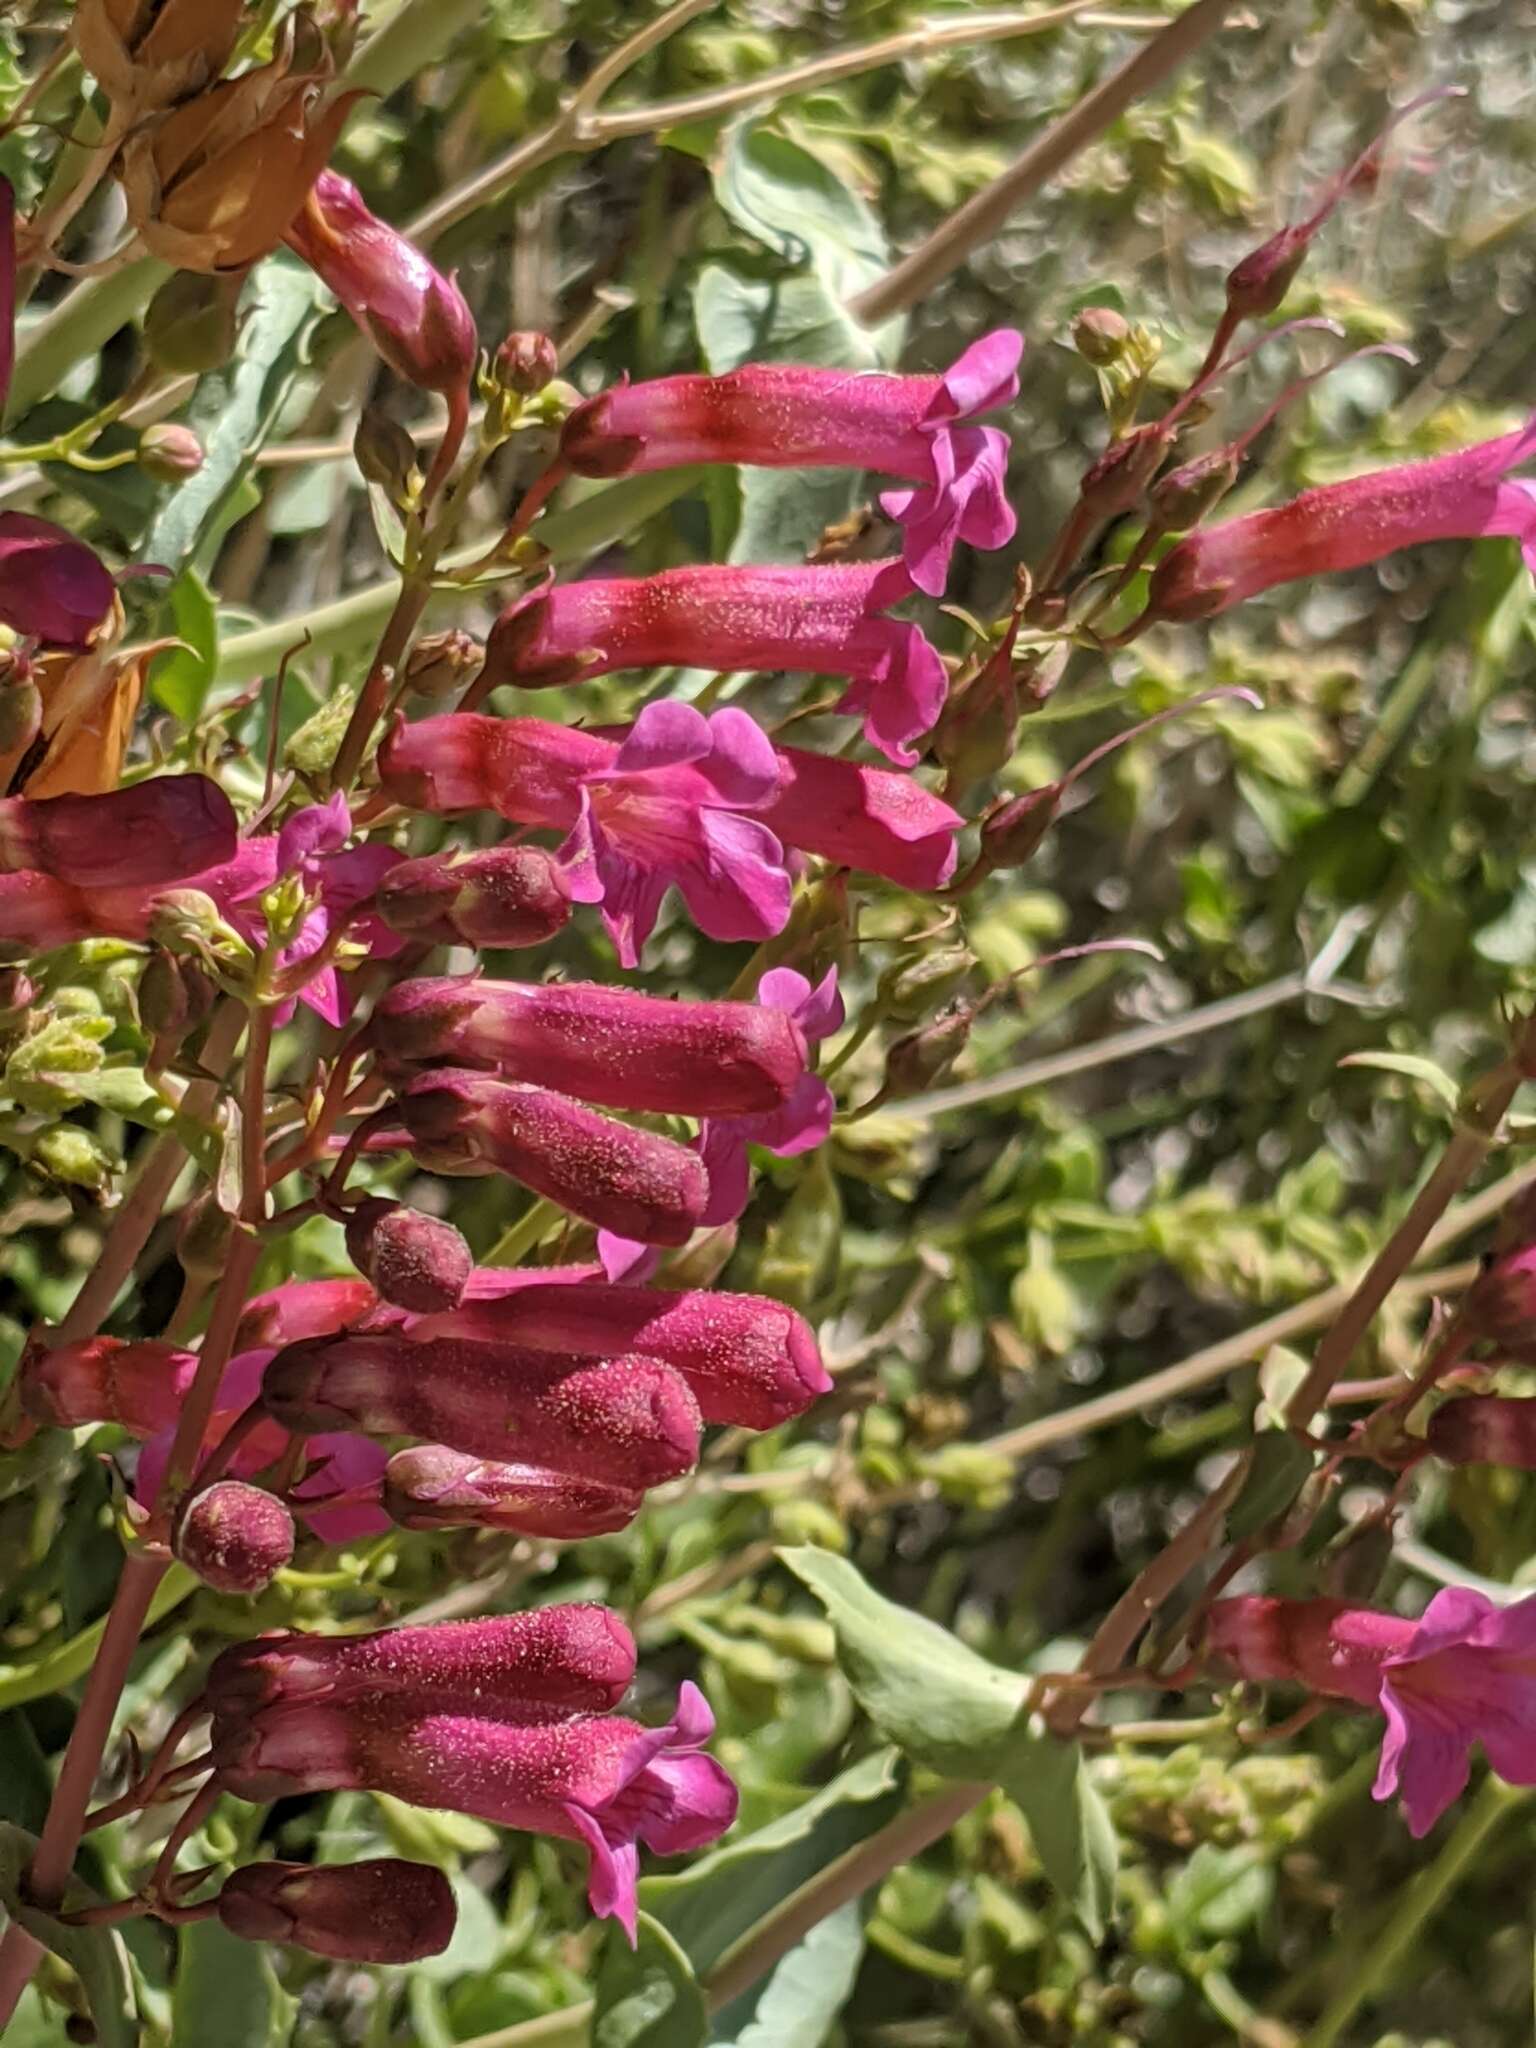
{"points": [[1415, 1067], [795, 2005], [227, 1993], [179, 679], [647, 1996], [1282, 1464]]}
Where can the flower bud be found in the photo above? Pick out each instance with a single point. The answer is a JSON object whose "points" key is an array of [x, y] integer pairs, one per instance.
{"points": [[140, 1387], [1182, 498], [574, 1657], [1012, 834], [508, 896], [629, 1181], [432, 1487], [1500, 1305], [153, 831], [1256, 285], [1485, 1429], [381, 1911], [443, 664], [910, 988], [525, 363], [417, 1262], [75, 1158], [192, 322], [21, 716], [979, 727], [915, 1062], [1100, 335], [623, 1422], [235, 1537], [174, 997], [386, 455], [169, 453]]}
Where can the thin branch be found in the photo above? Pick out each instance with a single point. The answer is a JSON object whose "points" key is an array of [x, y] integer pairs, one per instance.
{"points": [[986, 213]]}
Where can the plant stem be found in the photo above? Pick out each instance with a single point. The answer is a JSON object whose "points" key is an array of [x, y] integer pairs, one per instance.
{"points": [[19, 1953], [981, 217], [1419, 1902]]}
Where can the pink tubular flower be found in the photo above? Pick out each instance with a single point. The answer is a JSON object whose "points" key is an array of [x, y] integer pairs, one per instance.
{"points": [[749, 1360], [431, 1487], [302, 1308], [532, 772], [603, 1781], [624, 1422], [380, 1911], [825, 620], [416, 318], [574, 1657], [161, 831], [41, 913], [608, 1045], [1347, 525], [1464, 1673], [793, 416], [631, 1181], [140, 1387], [52, 586], [508, 896], [1485, 1429]]}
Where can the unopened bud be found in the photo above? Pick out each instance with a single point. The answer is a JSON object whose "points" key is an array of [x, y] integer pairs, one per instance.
{"points": [[1100, 335], [525, 363], [911, 989], [386, 455], [169, 453], [922, 1057], [979, 727], [443, 664], [432, 1487], [18, 992], [417, 1262], [1182, 498], [73, 1156], [21, 716], [1500, 1305], [382, 1911], [192, 322], [1014, 831], [174, 997], [1257, 285], [1115, 482], [508, 896], [1485, 1429], [235, 1537]]}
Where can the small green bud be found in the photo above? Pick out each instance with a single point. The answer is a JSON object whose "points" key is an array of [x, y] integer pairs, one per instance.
{"points": [[170, 453], [69, 1154], [386, 455], [1101, 335]]}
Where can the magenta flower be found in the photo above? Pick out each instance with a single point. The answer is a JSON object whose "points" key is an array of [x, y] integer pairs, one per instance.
{"points": [[416, 318], [52, 586], [507, 896], [608, 1045], [302, 1308], [1347, 525], [1485, 1429], [826, 621], [624, 1422], [600, 1780], [793, 416], [41, 913], [432, 1487], [749, 1360], [865, 818], [158, 831], [1464, 1673], [140, 1386], [379, 1911]]}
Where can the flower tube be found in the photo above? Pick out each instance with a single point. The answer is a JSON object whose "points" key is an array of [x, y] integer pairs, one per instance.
{"points": [[626, 1180], [1464, 1673], [1345, 526], [432, 1487], [826, 621], [161, 830], [795, 416], [41, 913], [141, 1387], [623, 1422], [508, 896], [608, 1045], [749, 1360]]}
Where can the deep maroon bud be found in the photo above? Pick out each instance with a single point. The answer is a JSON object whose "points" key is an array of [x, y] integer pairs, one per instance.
{"points": [[1115, 482], [526, 362], [1500, 1305], [1256, 286], [432, 1487], [235, 1537], [1012, 834], [1182, 498], [623, 1422], [1485, 1429], [506, 897], [386, 455], [174, 997], [1100, 334], [169, 453], [381, 1911], [154, 831], [102, 1379], [576, 1657], [443, 664], [417, 1262], [632, 1182], [915, 1062]]}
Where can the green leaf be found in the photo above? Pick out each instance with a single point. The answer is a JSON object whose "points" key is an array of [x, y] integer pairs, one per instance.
{"points": [[1413, 1065], [179, 679], [795, 2005], [227, 1993], [95, 1954], [954, 1712], [647, 1996], [62, 1666], [234, 409], [712, 1904]]}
